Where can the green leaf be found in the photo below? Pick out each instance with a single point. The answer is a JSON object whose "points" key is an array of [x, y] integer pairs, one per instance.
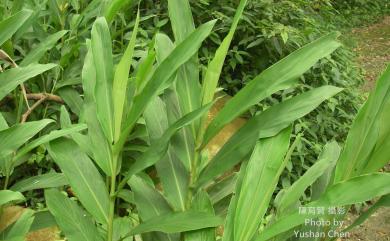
{"points": [[120, 81], [83, 177], [259, 183], [96, 140], [164, 71], [339, 194], [201, 203], [72, 220], [10, 25], [364, 133], [188, 88], [39, 51], [40, 182], [279, 76], [7, 196], [150, 203], [183, 143], [327, 159], [173, 175], [20, 228], [11, 78], [214, 68], [3, 123], [114, 7], [159, 148], [14, 137], [266, 124], [102, 57], [72, 99], [49, 137], [178, 222]]}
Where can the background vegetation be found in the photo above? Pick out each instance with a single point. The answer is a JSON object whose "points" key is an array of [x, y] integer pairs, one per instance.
{"points": [[55, 31]]}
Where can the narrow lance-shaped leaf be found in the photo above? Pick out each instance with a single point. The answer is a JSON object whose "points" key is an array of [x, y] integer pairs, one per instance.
{"points": [[10, 25], [364, 132], [266, 124], [150, 203], [72, 220], [201, 203], [83, 177], [114, 7], [164, 71], [102, 57], [96, 140], [340, 194], [328, 158], [120, 81], [214, 68], [49, 137], [188, 86], [39, 51], [158, 149], [261, 177], [279, 76], [173, 175], [47, 180], [178, 222], [11, 78], [12, 138], [18, 230]]}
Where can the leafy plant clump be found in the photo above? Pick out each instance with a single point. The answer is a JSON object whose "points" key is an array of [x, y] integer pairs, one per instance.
{"points": [[131, 161]]}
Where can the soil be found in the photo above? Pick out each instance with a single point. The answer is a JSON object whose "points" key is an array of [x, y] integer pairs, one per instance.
{"points": [[372, 46]]}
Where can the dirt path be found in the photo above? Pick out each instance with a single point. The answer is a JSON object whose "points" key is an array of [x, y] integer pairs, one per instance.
{"points": [[372, 45], [373, 49]]}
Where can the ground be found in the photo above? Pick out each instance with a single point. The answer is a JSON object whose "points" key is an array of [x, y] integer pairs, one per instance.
{"points": [[372, 46]]}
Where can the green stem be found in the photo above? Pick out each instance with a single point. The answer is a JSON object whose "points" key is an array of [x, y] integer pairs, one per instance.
{"points": [[6, 181], [111, 213]]}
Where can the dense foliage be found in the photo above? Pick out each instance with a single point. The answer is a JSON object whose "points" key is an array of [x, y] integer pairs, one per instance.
{"points": [[115, 117]]}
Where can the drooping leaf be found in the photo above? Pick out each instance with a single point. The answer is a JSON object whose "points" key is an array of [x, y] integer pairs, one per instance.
{"points": [[328, 158], [339, 194], [178, 222], [49, 137], [11, 78], [267, 123], [279, 76], [72, 220], [83, 177], [14, 137], [47, 180]]}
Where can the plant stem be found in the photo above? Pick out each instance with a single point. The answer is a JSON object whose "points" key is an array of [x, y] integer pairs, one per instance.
{"points": [[6, 181], [111, 213]]}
